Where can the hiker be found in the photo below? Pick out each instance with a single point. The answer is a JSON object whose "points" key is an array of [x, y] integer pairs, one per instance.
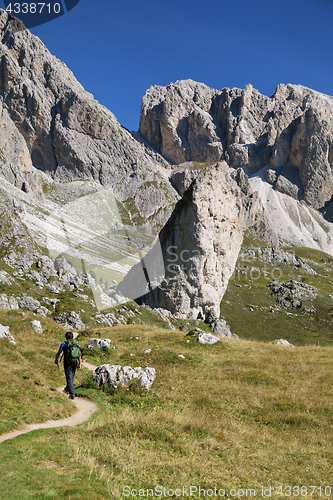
{"points": [[72, 361]]}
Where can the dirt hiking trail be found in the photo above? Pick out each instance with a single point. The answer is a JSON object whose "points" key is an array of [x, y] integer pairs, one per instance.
{"points": [[85, 409]]}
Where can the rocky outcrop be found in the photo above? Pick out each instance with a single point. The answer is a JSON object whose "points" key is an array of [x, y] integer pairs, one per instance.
{"points": [[70, 320], [49, 122], [293, 294], [199, 245], [275, 254], [291, 132]]}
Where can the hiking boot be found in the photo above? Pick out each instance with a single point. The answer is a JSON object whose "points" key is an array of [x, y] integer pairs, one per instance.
{"points": [[72, 396]]}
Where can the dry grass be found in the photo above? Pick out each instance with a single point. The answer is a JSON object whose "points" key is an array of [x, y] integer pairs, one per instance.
{"points": [[238, 414]]}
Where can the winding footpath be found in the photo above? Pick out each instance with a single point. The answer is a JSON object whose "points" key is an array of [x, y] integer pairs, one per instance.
{"points": [[85, 409]]}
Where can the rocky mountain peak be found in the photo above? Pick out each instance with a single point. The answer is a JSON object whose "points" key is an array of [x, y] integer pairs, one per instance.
{"points": [[290, 132], [58, 128]]}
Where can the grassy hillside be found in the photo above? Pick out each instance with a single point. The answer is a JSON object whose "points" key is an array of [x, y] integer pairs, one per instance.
{"points": [[239, 414], [251, 309]]}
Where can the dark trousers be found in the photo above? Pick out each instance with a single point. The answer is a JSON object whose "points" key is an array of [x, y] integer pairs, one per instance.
{"points": [[70, 370]]}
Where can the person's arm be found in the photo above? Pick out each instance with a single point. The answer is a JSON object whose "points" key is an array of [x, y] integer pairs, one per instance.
{"points": [[61, 348], [57, 356], [80, 360]]}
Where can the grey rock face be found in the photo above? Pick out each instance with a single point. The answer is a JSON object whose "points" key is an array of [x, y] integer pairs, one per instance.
{"points": [[254, 214], [50, 123], [221, 329], [286, 180], [200, 245], [115, 375], [188, 121], [46, 267], [182, 176], [43, 311], [18, 247], [270, 176], [175, 121]]}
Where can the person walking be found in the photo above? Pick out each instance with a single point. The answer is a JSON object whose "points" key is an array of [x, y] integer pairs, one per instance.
{"points": [[72, 361]]}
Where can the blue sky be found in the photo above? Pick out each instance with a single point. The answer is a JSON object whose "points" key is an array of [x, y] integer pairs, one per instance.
{"points": [[118, 48]]}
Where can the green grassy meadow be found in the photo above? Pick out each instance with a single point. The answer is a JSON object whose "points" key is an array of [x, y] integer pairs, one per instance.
{"points": [[239, 416]]}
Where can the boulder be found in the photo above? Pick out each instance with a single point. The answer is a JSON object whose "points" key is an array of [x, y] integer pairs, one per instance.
{"points": [[5, 278], [207, 338], [13, 303], [100, 344], [36, 325], [4, 304], [115, 375], [4, 333], [62, 266], [283, 342]]}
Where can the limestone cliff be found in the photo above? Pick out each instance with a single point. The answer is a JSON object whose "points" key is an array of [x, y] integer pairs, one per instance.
{"points": [[290, 133], [49, 123], [199, 245]]}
